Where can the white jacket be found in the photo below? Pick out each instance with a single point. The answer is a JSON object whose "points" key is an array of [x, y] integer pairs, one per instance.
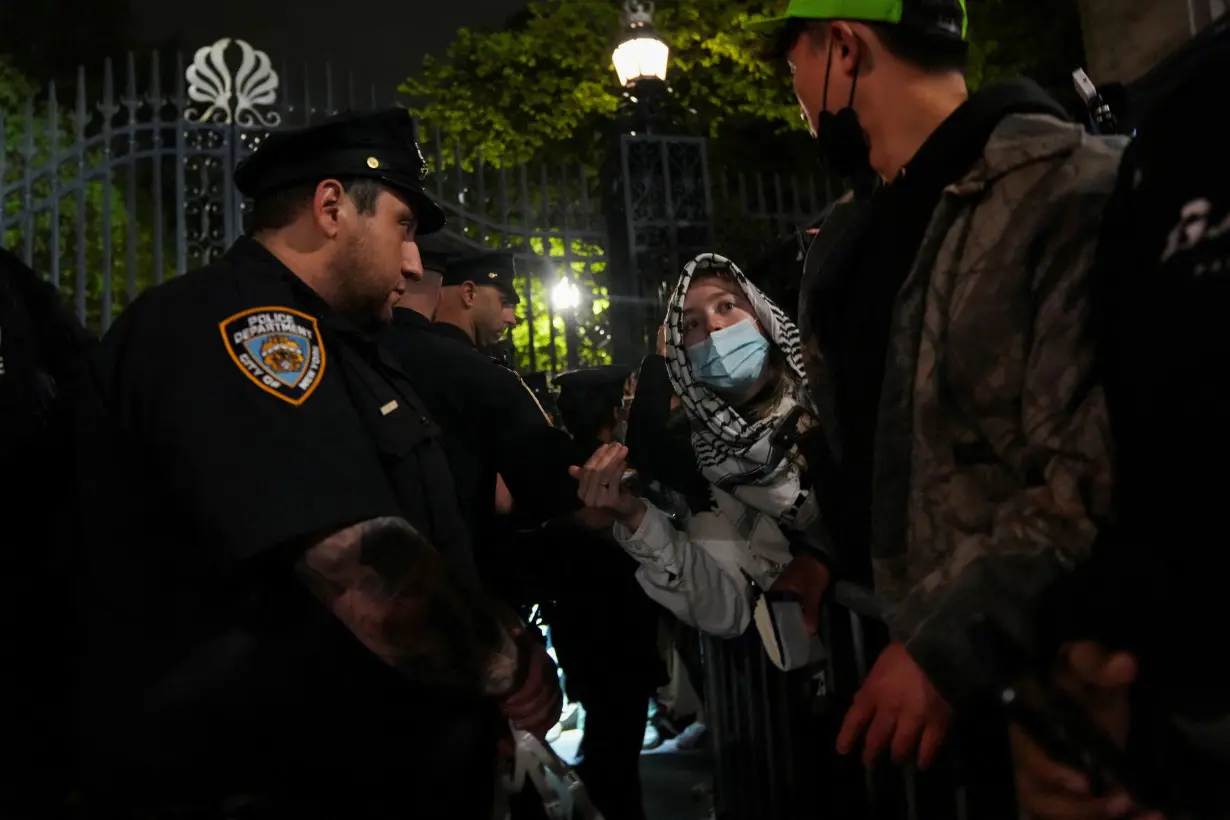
{"points": [[709, 573]]}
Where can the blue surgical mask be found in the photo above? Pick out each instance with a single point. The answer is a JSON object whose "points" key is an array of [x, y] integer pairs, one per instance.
{"points": [[732, 358]]}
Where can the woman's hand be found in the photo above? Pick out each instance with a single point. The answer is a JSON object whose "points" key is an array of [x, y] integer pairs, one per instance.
{"points": [[600, 485]]}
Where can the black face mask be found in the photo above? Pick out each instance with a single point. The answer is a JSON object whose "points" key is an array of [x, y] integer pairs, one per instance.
{"points": [[839, 136]]}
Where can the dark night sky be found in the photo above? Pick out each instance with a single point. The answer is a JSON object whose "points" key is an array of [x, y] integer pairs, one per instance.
{"points": [[381, 41]]}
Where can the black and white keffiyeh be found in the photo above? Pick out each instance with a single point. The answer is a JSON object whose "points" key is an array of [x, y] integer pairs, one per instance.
{"points": [[735, 454]]}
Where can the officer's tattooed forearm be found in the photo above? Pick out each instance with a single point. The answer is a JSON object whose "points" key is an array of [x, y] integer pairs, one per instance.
{"points": [[393, 590]]}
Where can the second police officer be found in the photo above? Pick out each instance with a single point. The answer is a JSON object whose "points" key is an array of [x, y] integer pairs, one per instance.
{"points": [[492, 423]]}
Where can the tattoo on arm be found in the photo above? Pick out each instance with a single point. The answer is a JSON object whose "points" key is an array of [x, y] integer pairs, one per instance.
{"points": [[393, 590]]}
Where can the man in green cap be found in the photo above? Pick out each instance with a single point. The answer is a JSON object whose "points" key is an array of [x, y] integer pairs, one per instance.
{"points": [[943, 320]]}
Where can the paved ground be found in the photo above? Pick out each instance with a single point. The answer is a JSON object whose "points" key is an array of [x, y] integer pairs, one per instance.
{"points": [[667, 775]]}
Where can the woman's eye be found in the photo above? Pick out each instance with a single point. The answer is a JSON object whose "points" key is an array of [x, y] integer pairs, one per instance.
{"points": [[726, 307]]}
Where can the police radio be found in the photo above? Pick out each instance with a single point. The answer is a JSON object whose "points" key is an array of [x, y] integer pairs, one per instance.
{"points": [[1101, 118]]}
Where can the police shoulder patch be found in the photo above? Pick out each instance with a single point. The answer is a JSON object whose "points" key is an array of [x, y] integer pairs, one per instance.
{"points": [[278, 348]]}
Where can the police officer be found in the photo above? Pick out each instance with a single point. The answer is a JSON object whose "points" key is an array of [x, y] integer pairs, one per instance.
{"points": [[479, 299], [282, 609], [493, 425], [592, 403], [423, 295], [603, 626]]}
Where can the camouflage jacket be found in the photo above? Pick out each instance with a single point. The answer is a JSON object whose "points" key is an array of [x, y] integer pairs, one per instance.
{"points": [[992, 456]]}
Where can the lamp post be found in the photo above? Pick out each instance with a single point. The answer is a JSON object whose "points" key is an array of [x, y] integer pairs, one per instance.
{"points": [[641, 59]]}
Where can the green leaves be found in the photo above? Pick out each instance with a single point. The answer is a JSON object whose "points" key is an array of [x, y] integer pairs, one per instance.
{"points": [[547, 84], [1040, 39]]}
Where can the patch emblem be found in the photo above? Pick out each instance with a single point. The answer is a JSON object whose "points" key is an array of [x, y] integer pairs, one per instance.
{"points": [[278, 348]]}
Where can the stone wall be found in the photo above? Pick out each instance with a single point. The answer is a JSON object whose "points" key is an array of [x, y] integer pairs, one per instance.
{"points": [[1125, 38]]}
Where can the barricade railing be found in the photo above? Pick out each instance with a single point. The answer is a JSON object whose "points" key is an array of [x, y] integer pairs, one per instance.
{"points": [[774, 735]]}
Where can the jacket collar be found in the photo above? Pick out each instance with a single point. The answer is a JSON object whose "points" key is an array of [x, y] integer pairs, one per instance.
{"points": [[453, 332]]}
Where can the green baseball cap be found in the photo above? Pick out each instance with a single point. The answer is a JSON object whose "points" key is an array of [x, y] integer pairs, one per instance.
{"points": [[944, 18]]}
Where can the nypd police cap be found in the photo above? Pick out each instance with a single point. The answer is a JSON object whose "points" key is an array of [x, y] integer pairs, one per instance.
{"points": [[607, 377], [435, 259], [497, 269], [381, 145]]}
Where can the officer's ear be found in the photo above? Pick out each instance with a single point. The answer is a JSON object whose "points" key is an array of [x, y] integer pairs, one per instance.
{"points": [[327, 206], [469, 292]]}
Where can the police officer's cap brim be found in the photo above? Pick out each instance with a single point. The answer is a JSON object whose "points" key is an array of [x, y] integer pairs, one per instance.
{"points": [[593, 377], [509, 293]]}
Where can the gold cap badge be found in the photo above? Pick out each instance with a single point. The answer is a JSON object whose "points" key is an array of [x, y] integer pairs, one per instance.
{"points": [[373, 163]]}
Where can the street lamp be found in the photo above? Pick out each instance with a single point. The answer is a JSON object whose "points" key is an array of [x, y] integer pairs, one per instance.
{"points": [[565, 296], [642, 54]]}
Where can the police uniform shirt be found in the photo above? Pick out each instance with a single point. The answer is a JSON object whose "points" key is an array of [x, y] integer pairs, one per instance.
{"points": [[450, 331], [492, 422], [230, 420]]}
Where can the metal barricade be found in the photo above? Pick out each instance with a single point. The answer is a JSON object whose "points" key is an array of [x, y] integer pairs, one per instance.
{"points": [[774, 733]]}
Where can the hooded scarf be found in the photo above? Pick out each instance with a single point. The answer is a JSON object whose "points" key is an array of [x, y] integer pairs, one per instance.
{"points": [[735, 454]]}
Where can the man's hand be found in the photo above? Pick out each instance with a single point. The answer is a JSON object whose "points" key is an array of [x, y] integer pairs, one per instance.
{"points": [[896, 705], [536, 704], [1099, 681], [660, 347], [809, 579], [600, 485]]}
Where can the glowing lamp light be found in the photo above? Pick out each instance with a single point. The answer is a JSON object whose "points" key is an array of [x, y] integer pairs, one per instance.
{"points": [[640, 58], [643, 54], [565, 295]]}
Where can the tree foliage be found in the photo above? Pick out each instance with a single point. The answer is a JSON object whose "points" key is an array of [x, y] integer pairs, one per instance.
{"points": [[548, 78], [1040, 39]]}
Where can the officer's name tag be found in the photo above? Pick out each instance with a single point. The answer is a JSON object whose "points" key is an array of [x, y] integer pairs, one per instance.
{"points": [[278, 348]]}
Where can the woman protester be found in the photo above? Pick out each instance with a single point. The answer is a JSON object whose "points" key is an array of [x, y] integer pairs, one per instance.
{"points": [[733, 358]]}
